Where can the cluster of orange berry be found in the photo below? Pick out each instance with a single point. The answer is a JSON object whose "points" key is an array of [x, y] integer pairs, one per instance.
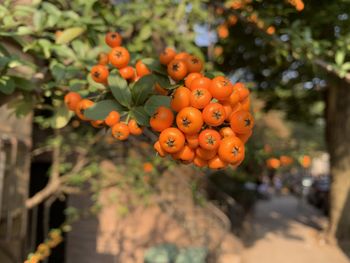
{"points": [[211, 123], [44, 249], [298, 4], [212, 120], [275, 163], [120, 130], [118, 57]]}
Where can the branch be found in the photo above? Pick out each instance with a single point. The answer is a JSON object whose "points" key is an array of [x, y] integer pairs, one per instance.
{"points": [[40, 196]]}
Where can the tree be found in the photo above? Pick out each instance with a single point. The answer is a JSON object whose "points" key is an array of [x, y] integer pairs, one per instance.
{"points": [[297, 55]]}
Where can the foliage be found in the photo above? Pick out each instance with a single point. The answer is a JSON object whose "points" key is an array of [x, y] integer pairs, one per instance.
{"points": [[292, 66], [57, 42]]}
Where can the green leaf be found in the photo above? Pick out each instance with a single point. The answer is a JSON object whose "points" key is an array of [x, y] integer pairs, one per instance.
{"points": [[145, 32], [339, 57], [24, 84], [69, 34], [346, 66], [93, 85], [24, 30], [143, 89], [140, 115], [164, 82], [77, 84], [46, 46], [155, 66], [61, 117], [155, 102], [120, 89], [39, 20], [101, 109], [7, 85]]}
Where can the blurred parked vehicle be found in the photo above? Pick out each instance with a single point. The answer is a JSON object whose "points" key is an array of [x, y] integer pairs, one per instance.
{"points": [[319, 194]]}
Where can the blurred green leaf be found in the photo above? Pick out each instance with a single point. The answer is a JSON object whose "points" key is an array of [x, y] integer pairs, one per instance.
{"points": [[120, 89], [7, 85], [101, 109], [155, 101], [69, 34], [61, 117], [140, 115], [143, 88]]}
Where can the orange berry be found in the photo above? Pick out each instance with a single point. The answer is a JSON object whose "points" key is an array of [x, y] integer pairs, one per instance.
{"points": [[194, 64], [167, 55], [142, 69], [216, 163], [120, 131], [119, 57], [112, 118], [177, 69], [189, 120], [202, 82], [113, 39], [147, 167], [127, 73], [99, 73], [190, 77], [162, 118], [200, 98], [159, 149], [180, 99], [221, 88], [241, 122], [214, 114], [134, 128], [171, 140], [71, 100]]}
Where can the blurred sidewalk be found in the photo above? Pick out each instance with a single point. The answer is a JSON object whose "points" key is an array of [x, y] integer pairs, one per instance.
{"points": [[287, 231]]}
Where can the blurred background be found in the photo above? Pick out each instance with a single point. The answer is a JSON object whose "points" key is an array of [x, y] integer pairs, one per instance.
{"points": [[70, 193]]}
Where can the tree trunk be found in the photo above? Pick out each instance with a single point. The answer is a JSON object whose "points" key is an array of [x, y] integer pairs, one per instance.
{"points": [[338, 139]]}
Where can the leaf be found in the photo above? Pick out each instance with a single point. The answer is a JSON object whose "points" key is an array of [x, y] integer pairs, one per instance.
{"points": [[155, 102], [155, 66], [77, 84], [61, 117], [143, 89], [120, 89], [24, 84], [145, 32], [46, 46], [24, 30], [164, 82], [101, 109], [339, 57], [140, 115], [69, 34], [39, 20], [346, 66], [7, 85]]}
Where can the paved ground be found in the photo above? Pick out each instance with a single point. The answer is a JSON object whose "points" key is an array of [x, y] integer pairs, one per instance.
{"points": [[286, 231]]}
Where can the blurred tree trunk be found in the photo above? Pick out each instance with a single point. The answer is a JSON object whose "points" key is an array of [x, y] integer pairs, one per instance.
{"points": [[338, 139]]}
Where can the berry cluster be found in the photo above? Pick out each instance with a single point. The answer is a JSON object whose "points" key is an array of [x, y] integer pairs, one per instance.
{"points": [[118, 57], [211, 121], [207, 121], [44, 249]]}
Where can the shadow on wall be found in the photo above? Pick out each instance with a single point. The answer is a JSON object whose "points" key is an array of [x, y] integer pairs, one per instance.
{"points": [[343, 231]]}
